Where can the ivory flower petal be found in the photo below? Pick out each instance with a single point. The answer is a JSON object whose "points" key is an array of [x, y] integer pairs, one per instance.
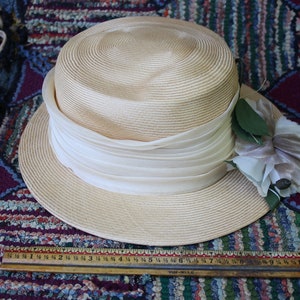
{"points": [[253, 169], [250, 166]]}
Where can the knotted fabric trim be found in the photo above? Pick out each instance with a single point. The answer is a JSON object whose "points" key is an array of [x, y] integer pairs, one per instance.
{"points": [[181, 163]]}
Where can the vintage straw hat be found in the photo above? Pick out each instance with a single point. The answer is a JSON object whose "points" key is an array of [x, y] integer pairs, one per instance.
{"points": [[139, 131]]}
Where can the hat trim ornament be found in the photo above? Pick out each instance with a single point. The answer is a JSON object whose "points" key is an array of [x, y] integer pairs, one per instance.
{"points": [[267, 148]]}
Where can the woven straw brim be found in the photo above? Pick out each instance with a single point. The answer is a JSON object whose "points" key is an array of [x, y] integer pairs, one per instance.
{"points": [[224, 207]]}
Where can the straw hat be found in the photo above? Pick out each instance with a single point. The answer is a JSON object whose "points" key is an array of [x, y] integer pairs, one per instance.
{"points": [[138, 134]]}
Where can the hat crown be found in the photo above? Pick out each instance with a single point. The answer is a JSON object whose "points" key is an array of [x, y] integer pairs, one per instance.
{"points": [[144, 78]]}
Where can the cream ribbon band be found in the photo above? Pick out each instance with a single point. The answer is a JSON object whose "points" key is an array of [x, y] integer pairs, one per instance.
{"points": [[181, 163]]}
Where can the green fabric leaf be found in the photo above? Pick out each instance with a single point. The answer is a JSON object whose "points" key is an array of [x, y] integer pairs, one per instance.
{"points": [[272, 198], [241, 133], [249, 120]]}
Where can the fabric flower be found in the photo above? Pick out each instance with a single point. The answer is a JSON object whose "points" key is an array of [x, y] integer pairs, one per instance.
{"points": [[277, 160]]}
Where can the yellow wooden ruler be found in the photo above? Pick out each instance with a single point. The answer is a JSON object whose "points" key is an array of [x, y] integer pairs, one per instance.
{"points": [[154, 262]]}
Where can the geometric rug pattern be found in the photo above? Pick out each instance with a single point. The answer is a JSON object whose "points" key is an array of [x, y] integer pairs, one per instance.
{"points": [[263, 34]]}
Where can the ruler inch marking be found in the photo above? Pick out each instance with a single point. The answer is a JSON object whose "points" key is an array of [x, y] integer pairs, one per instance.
{"points": [[156, 262]]}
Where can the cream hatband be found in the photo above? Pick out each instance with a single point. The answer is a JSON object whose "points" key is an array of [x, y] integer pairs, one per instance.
{"points": [[185, 162]]}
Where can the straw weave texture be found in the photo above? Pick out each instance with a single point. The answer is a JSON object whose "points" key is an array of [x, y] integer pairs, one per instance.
{"points": [[144, 78], [262, 33], [140, 78], [151, 220]]}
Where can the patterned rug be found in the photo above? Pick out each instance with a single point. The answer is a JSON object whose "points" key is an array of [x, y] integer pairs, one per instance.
{"points": [[264, 34]]}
